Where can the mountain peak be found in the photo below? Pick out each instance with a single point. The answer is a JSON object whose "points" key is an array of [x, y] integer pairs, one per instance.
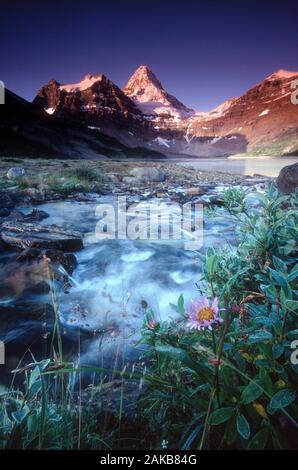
{"points": [[143, 79], [86, 82], [146, 90], [281, 74], [143, 69]]}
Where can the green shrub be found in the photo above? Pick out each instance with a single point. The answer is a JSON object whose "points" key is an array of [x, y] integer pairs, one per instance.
{"points": [[234, 386], [234, 199], [76, 179]]}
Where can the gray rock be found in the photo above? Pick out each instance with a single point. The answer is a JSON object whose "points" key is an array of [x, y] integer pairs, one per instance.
{"points": [[6, 201], [216, 200], [145, 174], [287, 180], [16, 215], [35, 194], [114, 179], [35, 215], [67, 260], [29, 254], [23, 235], [129, 180], [15, 173]]}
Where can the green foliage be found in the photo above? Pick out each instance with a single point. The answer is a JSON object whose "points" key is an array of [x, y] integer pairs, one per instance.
{"points": [[234, 200], [235, 387], [76, 179], [48, 414]]}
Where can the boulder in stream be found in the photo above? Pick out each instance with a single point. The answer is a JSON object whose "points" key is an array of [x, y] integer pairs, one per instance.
{"points": [[148, 174], [23, 235], [287, 180], [6, 201], [67, 260], [35, 215], [15, 173]]}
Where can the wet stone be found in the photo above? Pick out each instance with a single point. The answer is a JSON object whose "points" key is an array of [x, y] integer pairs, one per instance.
{"points": [[28, 235]]}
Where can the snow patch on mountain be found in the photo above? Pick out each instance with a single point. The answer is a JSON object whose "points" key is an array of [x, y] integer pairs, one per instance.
{"points": [[84, 84], [215, 139], [50, 110], [222, 108], [281, 74], [161, 141], [263, 113]]}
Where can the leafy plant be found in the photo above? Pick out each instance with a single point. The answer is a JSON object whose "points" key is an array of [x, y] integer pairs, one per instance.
{"points": [[234, 385], [234, 200]]}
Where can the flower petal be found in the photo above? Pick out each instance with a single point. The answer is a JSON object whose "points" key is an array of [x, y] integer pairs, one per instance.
{"points": [[215, 305]]}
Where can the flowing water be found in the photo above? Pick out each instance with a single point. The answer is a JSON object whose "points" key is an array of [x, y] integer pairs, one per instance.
{"points": [[117, 281]]}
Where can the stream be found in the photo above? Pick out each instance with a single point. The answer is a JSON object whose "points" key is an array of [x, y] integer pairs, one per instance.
{"points": [[114, 284], [116, 281]]}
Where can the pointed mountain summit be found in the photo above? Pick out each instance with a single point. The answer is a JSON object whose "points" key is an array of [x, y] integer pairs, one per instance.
{"points": [[282, 74], [150, 96]]}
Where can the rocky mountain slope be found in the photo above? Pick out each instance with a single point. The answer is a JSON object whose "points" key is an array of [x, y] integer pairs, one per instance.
{"points": [[264, 116], [94, 101], [143, 114], [27, 130], [262, 121]]}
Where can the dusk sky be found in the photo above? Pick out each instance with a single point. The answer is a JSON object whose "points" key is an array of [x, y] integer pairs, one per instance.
{"points": [[203, 52]]}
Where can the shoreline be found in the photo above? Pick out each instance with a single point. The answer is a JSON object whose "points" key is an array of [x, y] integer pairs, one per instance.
{"points": [[46, 180]]}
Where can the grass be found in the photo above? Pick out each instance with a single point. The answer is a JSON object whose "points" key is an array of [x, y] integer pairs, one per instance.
{"points": [[64, 181], [77, 179], [278, 147], [52, 411]]}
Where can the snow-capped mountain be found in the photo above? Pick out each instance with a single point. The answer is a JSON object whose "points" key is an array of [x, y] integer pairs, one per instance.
{"points": [[221, 109], [150, 96], [264, 116], [263, 120], [95, 101]]}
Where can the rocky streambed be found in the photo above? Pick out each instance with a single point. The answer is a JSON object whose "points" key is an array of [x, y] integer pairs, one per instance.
{"points": [[53, 264]]}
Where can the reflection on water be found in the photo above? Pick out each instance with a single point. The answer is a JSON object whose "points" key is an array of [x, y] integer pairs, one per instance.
{"points": [[245, 166]]}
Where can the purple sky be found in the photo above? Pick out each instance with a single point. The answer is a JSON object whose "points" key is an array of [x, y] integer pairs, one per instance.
{"points": [[203, 52]]}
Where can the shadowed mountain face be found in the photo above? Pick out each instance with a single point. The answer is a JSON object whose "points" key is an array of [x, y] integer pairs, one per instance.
{"points": [[144, 114], [27, 130], [94, 98]]}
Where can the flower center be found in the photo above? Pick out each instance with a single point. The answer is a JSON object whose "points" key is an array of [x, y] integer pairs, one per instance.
{"points": [[205, 314]]}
